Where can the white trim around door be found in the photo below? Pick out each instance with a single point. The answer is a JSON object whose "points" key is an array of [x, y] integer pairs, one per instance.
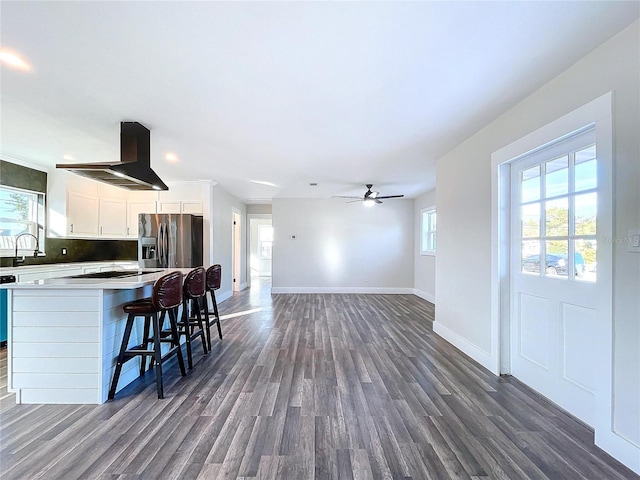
{"points": [[597, 114]]}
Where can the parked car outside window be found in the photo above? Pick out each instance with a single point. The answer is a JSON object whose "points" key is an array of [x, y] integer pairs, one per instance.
{"points": [[555, 264]]}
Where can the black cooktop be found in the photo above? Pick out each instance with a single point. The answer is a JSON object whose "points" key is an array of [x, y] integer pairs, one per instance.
{"points": [[113, 274]]}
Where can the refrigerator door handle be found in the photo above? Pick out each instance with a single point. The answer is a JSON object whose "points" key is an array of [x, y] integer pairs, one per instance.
{"points": [[159, 244], [166, 246]]}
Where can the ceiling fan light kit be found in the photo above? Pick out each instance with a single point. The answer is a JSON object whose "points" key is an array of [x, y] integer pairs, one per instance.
{"points": [[370, 197]]}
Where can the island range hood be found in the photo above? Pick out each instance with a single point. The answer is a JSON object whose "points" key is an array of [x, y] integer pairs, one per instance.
{"points": [[133, 172]]}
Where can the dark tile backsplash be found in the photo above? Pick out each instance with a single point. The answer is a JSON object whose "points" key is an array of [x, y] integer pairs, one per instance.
{"points": [[82, 251]]}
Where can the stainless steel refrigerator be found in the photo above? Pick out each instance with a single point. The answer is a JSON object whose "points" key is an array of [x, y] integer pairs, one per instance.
{"points": [[168, 240]]}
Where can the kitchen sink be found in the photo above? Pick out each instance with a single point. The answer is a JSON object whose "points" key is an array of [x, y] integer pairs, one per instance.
{"points": [[113, 274]]}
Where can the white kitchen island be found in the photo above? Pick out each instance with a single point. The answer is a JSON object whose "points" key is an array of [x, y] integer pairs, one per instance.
{"points": [[64, 335]]}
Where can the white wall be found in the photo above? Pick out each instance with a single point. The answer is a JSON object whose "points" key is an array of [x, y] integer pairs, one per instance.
{"points": [[223, 202], [424, 275], [342, 247], [259, 209], [464, 214]]}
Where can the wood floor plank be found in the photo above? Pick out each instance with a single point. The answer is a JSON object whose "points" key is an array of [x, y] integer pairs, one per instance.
{"points": [[312, 386]]}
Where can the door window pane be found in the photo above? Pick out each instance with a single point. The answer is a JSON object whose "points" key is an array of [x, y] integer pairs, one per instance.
{"points": [[586, 172], [586, 207], [530, 256], [530, 184], [586, 260], [530, 217], [557, 177], [557, 221], [556, 264]]}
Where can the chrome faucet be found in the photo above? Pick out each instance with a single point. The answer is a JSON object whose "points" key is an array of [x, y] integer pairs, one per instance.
{"points": [[16, 261]]}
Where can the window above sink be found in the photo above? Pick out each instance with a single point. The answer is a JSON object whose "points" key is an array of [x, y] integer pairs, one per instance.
{"points": [[22, 219]]}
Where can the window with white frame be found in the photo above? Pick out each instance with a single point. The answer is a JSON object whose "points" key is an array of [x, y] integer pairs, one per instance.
{"points": [[22, 221], [428, 231]]}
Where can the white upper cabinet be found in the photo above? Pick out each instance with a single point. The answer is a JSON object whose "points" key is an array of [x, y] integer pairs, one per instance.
{"points": [[192, 207], [113, 218], [182, 197], [96, 210], [165, 206], [82, 214]]}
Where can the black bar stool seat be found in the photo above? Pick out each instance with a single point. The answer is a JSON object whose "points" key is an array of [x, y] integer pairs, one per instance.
{"points": [[166, 298]]}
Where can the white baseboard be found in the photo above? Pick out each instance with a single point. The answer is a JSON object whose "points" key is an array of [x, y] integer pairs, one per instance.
{"points": [[622, 449], [363, 290], [464, 345], [424, 295], [243, 286]]}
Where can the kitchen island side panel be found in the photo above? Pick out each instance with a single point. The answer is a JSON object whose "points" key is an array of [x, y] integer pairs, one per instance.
{"points": [[55, 345]]}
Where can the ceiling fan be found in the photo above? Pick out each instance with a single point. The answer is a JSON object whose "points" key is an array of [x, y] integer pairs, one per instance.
{"points": [[370, 197]]}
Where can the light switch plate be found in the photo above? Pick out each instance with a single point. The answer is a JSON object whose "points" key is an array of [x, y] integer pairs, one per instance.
{"points": [[634, 241]]}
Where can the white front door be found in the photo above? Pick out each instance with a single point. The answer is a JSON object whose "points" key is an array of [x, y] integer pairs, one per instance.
{"points": [[556, 328]]}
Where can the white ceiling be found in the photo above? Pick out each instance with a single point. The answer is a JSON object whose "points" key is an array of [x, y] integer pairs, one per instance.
{"points": [[339, 93]]}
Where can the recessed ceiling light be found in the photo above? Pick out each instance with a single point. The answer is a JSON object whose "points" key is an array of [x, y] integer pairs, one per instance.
{"points": [[66, 156], [171, 157], [155, 187], [313, 184], [13, 60], [118, 174]]}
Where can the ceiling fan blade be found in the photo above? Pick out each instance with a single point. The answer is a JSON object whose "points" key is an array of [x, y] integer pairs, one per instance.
{"points": [[343, 196], [392, 196], [378, 200], [353, 201], [374, 194]]}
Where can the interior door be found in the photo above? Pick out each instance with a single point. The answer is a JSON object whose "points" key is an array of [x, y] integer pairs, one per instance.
{"points": [[556, 329]]}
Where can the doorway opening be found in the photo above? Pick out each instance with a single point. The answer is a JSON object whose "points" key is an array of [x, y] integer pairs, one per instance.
{"points": [[260, 246]]}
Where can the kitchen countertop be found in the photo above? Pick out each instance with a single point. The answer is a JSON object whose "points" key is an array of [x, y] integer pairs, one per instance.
{"points": [[60, 266], [136, 281]]}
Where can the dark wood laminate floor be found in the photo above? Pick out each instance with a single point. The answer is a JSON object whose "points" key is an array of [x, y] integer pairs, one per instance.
{"points": [[309, 386]]}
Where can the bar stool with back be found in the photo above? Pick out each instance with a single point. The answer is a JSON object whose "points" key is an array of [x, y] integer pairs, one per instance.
{"points": [[191, 324], [166, 298], [214, 277]]}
